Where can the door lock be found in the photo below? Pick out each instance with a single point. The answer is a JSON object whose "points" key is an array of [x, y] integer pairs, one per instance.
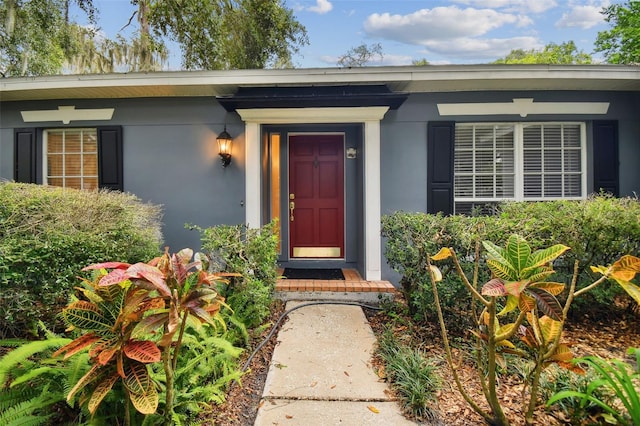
{"points": [[292, 206]]}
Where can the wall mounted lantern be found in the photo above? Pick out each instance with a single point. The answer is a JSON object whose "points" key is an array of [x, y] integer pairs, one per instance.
{"points": [[224, 147]]}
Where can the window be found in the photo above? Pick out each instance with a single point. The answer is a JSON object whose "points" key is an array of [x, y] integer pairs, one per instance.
{"points": [[517, 161], [71, 159]]}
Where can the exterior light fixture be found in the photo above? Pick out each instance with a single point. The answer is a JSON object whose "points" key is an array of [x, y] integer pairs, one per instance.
{"points": [[224, 147]]}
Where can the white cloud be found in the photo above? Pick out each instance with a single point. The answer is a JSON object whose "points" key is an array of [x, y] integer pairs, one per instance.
{"points": [[582, 16], [480, 49], [523, 6], [438, 23], [321, 7]]}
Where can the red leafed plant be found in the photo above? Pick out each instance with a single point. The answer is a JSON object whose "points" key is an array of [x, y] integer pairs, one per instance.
{"points": [[133, 316]]}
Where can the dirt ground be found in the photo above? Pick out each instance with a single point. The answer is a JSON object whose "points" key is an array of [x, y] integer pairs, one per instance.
{"points": [[607, 338]]}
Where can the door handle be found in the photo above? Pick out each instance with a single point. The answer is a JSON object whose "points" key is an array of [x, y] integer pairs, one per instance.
{"points": [[292, 206]]}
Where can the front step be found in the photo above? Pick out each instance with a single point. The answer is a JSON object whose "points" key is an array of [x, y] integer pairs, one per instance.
{"points": [[352, 289]]}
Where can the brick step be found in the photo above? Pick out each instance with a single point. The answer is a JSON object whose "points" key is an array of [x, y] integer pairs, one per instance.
{"points": [[352, 288]]}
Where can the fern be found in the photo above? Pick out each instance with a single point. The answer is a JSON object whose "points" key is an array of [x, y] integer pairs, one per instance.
{"points": [[11, 397], [28, 412], [21, 354]]}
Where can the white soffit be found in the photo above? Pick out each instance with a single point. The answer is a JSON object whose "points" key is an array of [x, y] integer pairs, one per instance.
{"points": [[523, 107], [66, 114], [312, 115]]}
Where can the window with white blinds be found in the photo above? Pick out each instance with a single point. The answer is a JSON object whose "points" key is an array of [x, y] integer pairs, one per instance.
{"points": [[517, 161], [71, 159]]}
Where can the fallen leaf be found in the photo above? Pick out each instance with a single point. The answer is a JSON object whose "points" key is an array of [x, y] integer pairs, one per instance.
{"points": [[333, 387], [313, 385], [373, 409], [280, 366], [288, 416], [346, 374]]}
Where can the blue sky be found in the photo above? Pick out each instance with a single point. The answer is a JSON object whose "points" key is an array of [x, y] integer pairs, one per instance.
{"points": [[441, 31]]}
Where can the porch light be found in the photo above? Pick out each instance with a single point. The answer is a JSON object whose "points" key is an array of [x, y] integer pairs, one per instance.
{"points": [[224, 147]]}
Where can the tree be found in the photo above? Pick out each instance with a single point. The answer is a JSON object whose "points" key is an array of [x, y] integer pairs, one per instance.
{"points": [[31, 37], [420, 62], [621, 44], [361, 55], [563, 54], [229, 34]]}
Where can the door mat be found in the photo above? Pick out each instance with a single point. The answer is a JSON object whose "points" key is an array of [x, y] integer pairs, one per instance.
{"points": [[313, 274]]}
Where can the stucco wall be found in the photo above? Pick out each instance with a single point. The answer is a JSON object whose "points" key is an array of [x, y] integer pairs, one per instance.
{"points": [[170, 153], [170, 157]]}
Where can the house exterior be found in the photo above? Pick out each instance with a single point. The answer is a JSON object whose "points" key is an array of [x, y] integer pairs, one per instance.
{"points": [[328, 151]]}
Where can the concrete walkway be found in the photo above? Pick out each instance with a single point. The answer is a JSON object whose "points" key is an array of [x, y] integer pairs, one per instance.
{"points": [[321, 373]]}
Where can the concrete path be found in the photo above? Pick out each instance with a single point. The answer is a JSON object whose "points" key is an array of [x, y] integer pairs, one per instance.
{"points": [[321, 373]]}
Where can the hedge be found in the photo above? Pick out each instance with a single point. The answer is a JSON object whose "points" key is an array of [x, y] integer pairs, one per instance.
{"points": [[48, 234], [599, 230]]}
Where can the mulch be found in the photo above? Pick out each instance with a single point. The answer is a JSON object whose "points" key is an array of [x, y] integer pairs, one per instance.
{"points": [[608, 338]]}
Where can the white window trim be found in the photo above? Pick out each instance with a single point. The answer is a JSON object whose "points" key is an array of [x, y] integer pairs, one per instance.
{"points": [[518, 135]]}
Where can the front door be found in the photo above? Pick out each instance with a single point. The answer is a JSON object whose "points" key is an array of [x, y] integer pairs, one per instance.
{"points": [[316, 195]]}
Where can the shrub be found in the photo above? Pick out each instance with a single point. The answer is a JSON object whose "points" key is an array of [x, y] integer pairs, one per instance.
{"points": [[413, 376], [598, 230], [252, 254], [48, 234]]}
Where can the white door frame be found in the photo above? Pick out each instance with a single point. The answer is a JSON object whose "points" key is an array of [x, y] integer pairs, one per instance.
{"points": [[369, 116]]}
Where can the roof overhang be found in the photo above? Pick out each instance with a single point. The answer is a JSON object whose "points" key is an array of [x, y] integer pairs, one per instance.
{"points": [[313, 97], [399, 80]]}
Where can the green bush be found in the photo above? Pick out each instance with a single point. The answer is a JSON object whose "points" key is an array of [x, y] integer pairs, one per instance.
{"points": [[48, 234], [252, 253], [598, 230]]}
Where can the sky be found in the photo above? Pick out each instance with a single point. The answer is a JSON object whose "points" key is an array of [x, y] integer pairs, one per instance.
{"points": [[440, 31]]}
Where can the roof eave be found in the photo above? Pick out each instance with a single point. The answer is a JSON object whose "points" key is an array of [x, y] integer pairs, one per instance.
{"points": [[408, 79]]}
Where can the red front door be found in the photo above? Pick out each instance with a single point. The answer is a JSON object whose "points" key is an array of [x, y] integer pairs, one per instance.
{"points": [[316, 196]]}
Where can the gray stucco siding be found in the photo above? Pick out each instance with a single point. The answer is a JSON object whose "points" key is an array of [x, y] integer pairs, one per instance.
{"points": [[170, 152], [169, 157]]}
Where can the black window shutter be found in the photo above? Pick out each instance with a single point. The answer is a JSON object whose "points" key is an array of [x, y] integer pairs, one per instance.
{"points": [[26, 156], [440, 141], [110, 158], [605, 157]]}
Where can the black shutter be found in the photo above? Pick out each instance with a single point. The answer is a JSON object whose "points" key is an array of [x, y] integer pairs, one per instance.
{"points": [[27, 157], [605, 157], [110, 158], [440, 141]]}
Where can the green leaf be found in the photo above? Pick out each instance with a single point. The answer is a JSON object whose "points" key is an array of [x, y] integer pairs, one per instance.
{"points": [[631, 289], [512, 303], [517, 252], [86, 316], [546, 302], [495, 252], [502, 270], [544, 256]]}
